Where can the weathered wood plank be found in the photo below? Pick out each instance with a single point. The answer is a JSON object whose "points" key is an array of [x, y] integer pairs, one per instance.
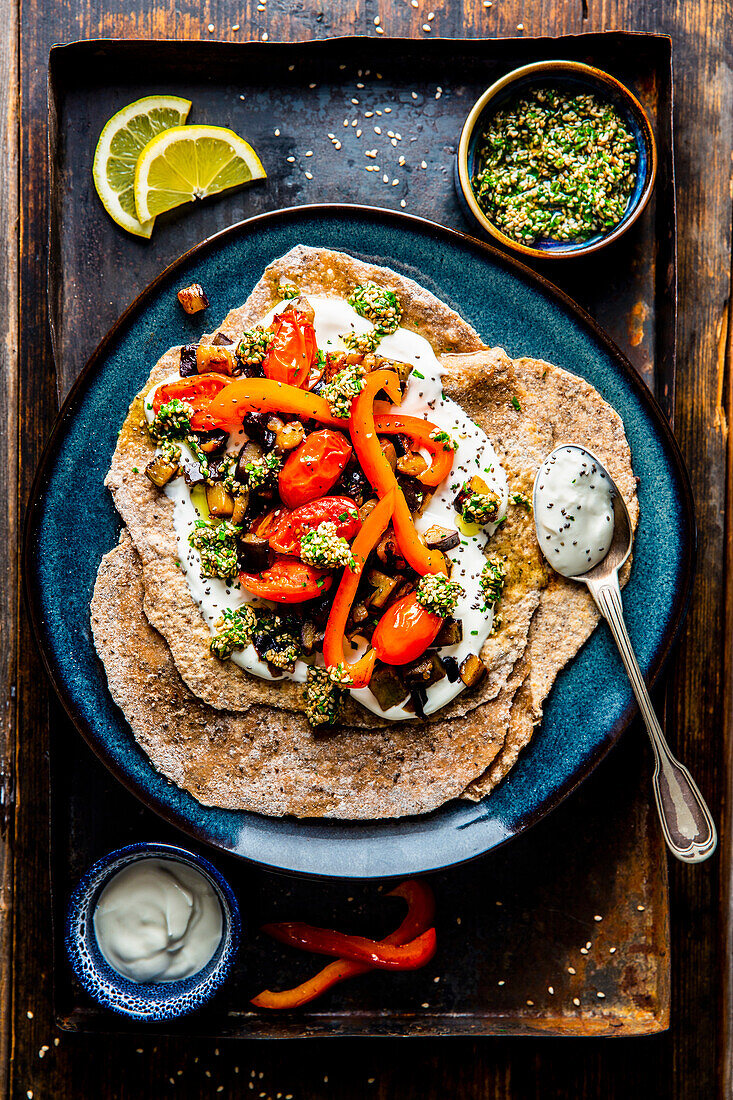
{"points": [[679, 1064]]}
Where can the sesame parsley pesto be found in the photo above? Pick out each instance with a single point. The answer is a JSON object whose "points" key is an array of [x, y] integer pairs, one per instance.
{"points": [[555, 166]]}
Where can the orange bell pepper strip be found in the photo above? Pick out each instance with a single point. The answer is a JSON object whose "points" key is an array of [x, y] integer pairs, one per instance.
{"points": [[419, 431], [371, 532], [380, 473], [382, 956], [421, 909], [246, 395]]}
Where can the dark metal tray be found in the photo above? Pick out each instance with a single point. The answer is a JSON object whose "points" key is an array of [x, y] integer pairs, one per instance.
{"points": [[515, 927]]}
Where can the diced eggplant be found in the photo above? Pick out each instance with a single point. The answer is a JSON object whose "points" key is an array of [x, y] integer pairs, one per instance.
{"points": [[249, 451], [412, 465], [388, 551], [367, 508], [440, 538], [427, 670], [388, 449], [193, 298], [384, 586], [472, 670], [359, 612], [220, 502], [214, 357], [161, 470], [450, 633], [302, 305], [310, 637], [289, 436], [255, 425], [451, 669], [388, 687], [239, 512], [221, 338], [188, 361], [320, 608], [403, 370], [354, 483], [418, 698], [212, 442], [415, 493], [254, 553]]}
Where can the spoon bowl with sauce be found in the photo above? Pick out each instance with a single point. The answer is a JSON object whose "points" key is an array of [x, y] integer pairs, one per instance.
{"points": [[584, 530]]}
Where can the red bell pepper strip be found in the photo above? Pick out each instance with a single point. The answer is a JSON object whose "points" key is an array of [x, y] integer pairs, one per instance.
{"points": [[288, 580], [377, 953], [374, 527], [421, 908], [419, 432], [404, 631], [381, 476], [292, 349], [245, 395]]}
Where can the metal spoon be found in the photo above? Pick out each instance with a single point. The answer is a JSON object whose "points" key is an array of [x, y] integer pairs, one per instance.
{"points": [[686, 821]]}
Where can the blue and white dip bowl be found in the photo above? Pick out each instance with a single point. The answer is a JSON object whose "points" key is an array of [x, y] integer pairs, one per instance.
{"points": [[139, 999]]}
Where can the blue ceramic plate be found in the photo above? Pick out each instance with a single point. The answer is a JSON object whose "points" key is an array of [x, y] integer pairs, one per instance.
{"points": [[509, 305]]}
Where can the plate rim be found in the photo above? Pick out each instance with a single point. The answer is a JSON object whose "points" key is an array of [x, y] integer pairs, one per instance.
{"points": [[683, 592]]}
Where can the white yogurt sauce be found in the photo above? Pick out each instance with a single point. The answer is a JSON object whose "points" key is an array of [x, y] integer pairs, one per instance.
{"points": [[158, 920], [573, 509], [474, 455]]}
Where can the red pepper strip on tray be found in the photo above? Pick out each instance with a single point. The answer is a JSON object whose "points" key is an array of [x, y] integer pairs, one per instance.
{"points": [[371, 532], [377, 953], [420, 912], [419, 432], [380, 474], [246, 395]]}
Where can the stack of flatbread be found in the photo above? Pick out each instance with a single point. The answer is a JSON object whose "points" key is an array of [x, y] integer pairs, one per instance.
{"points": [[240, 742]]}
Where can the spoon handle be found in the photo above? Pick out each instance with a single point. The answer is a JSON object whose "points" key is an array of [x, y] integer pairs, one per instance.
{"points": [[687, 823]]}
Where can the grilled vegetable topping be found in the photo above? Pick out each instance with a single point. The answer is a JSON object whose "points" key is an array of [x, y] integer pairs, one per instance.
{"points": [[275, 637], [234, 631], [388, 687], [326, 549], [253, 345], [477, 503], [439, 595], [439, 436], [193, 298], [380, 306], [164, 467], [262, 471], [492, 580], [343, 388], [451, 633], [172, 421], [472, 670], [288, 290], [440, 538], [217, 545], [324, 697]]}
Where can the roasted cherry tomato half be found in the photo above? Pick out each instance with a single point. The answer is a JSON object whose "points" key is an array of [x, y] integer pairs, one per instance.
{"points": [[288, 580], [405, 631], [314, 467], [293, 349], [293, 525], [197, 392]]}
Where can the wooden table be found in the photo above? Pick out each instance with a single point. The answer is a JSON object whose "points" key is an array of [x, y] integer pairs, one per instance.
{"points": [[693, 1058]]}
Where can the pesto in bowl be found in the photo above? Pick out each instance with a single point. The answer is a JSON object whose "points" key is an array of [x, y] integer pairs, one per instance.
{"points": [[554, 165]]}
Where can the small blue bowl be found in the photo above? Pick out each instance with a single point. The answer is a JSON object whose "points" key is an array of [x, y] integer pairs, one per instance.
{"points": [[572, 76], [152, 1001]]}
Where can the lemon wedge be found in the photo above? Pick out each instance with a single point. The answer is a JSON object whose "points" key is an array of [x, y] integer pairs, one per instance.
{"points": [[191, 162], [122, 140]]}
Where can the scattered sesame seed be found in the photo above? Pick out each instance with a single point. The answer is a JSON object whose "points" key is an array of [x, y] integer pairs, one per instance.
{"points": [[377, 20], [431, 16], [241, 97], [576, 1000], [530, 1002], [332, 136], [290, 160], [395, 182], [426, 27], [377, 129], [423, 164], [571, 970], [589, 945], [277, 133], [56, 1041], [458, 920], [359, 133], [551, 990], [369, 114], [436, 978], [401, 163], [265, 36], [235, 27], [584, 950], [380, 30], [387, 111], [337, 144], [354, 121], [601, 995], [210, 28], [612, 950], [29, 1094], [355, 101], [360, 85], [309, 175], [520, 26], [425, 1004], [309, 153], [414, 3], [641, 908], [596, 917], [502, 982]]}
